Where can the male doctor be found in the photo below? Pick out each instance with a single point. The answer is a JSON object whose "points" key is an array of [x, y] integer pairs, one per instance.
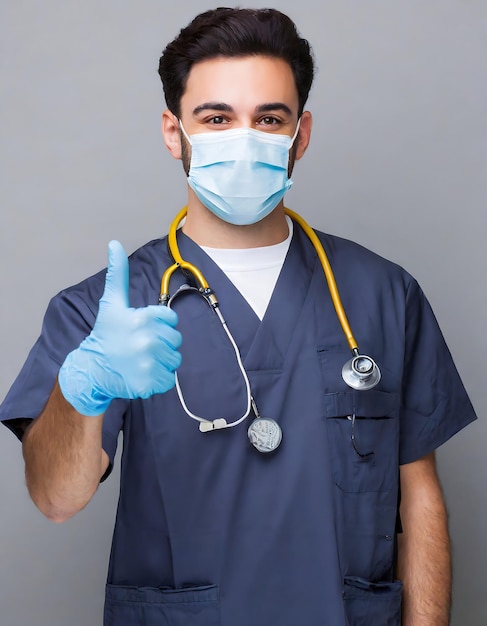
{"points": [[344, 522]]}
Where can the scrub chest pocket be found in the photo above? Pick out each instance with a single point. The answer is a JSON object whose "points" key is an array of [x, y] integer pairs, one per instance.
{"points": [[363, 432], [147, 606]]}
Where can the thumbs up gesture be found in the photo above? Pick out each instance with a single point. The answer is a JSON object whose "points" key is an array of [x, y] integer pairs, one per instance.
{"points": [[130, 353]]}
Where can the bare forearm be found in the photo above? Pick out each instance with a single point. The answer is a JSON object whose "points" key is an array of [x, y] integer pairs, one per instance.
{"points": [[63, 458], [424, 550]]}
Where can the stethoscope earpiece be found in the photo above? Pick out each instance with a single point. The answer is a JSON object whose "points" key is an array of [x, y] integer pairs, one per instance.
{"points": [[361, 372]]}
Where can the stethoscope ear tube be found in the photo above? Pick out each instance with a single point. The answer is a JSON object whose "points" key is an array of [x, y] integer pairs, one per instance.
{"points": [[205, 424]]}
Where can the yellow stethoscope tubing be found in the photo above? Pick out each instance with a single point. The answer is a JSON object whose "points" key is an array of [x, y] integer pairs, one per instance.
{"points": [[179, 262], [330, 278]]}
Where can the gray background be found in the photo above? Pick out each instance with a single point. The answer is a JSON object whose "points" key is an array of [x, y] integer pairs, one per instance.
{"points": [[397, 162]]}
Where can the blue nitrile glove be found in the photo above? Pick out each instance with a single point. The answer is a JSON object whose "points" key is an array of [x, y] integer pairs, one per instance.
{"points": [[130, 353]]}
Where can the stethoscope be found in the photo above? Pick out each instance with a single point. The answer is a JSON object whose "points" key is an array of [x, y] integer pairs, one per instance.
{"points": [[360, 372]]}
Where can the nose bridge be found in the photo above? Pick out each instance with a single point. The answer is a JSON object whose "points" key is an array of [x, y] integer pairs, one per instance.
{"points": [[244, 120]]}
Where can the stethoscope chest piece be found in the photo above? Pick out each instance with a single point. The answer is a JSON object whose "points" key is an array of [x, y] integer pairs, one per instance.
{"points": [[265, 434], [361, 372]]}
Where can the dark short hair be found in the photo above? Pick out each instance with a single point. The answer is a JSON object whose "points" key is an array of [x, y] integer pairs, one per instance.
{"points": [[227, 32]]}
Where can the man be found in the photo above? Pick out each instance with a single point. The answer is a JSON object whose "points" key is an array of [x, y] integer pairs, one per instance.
{"points": [[345, 517]]}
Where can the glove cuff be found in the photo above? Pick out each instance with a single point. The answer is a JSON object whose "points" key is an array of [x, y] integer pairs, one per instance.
{"points": [[76, 385]]}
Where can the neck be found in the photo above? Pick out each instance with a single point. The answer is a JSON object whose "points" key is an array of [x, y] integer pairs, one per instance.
{"points": [[204, 228]]}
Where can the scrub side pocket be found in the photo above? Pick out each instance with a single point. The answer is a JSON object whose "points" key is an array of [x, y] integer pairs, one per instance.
{"points": [[147, 606], [363, 433], [369, 603]]}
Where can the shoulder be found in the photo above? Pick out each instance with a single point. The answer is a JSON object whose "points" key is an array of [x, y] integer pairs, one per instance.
{"points": [[152, 254], [352, 260], [145, 266]]}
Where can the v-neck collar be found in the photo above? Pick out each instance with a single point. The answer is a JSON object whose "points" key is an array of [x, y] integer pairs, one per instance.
{"points": [[262, 344]]}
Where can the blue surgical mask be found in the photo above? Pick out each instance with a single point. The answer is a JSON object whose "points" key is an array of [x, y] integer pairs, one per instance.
{"points": [[241, 174]]}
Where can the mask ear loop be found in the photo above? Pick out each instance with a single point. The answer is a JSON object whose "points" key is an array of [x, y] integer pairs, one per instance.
{"points": [[293, 138], [184, 132]]}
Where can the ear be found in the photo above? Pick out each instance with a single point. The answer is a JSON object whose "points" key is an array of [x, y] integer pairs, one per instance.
{"points": [[304, 134], [171, 133]]}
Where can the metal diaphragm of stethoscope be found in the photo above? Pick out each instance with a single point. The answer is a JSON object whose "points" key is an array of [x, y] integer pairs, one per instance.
{"points": [[360, 372]]}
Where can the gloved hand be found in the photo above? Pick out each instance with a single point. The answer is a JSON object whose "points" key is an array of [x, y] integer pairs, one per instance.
{"points": [[130, 353]]}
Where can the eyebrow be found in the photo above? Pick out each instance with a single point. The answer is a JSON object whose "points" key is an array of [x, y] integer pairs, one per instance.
{"points": [[213, 106], [273, 106], [261, 108]]}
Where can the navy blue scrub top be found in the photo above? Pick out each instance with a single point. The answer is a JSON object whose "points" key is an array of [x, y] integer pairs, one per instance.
{"points": [[208, 530]]}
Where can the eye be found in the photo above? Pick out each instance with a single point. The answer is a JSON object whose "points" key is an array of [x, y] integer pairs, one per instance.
{"points": [[216, 120], [269, 120]]}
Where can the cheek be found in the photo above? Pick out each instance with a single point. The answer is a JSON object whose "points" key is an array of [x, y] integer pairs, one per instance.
{"points": [[292, 159], [185, 154]]}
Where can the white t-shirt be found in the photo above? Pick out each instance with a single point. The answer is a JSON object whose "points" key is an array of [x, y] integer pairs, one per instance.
{"points": [[253, 271]]}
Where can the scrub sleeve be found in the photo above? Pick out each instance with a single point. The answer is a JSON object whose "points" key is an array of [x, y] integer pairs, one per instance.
{"points": [[434, 405], [68, 320]]}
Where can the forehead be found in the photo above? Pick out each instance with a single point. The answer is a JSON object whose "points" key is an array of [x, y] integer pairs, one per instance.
{"points": [[242, 82]]}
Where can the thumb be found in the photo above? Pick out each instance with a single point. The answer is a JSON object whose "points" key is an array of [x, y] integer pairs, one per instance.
{"points": [[117, 277]]}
